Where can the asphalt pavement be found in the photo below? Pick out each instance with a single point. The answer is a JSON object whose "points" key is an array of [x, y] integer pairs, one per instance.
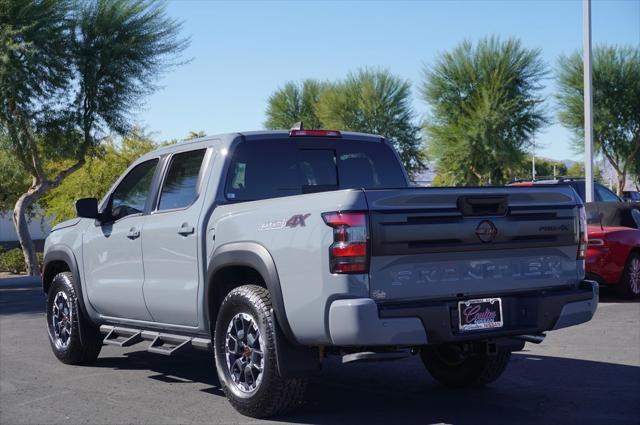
{"points": [[588, 374]]}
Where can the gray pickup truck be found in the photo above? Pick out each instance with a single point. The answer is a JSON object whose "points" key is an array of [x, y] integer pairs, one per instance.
{"points": [[275, 249]]}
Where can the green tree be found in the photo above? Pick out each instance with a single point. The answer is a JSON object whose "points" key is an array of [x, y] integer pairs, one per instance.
{"points": [[369, 101], [375, 101], [195, 135], [616, 104], [295, 102], [485, 108], [69, 73], [14, 180], [544, 168], [577, 170], [97, 175]]}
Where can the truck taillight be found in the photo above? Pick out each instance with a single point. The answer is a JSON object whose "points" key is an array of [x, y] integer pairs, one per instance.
{"points": [[349, 251], [582, 234]]}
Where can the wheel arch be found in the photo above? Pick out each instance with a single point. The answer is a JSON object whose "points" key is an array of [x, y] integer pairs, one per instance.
{"points": [[58, 259], [250, 257]]}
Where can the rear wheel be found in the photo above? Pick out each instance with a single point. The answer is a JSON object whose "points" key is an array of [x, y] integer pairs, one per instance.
{"points": [[629, 285], [64, 320], [454, 366], [245, 356]]}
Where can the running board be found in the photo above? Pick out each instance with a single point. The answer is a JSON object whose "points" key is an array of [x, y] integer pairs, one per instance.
{"points": [[161, 343], [166, 344], [122, 337]]}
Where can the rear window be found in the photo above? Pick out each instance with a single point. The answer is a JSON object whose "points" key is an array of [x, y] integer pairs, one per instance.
{"points": [[270, 169], [579, 187]]}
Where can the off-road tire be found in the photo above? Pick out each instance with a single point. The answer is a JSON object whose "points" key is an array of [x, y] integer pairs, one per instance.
{"points": [[625, 288], [274, 395], [475, 370], [78, 350]]}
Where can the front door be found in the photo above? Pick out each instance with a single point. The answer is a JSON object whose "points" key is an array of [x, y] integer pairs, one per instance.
{"points": [[112, 249], [170, 243]]}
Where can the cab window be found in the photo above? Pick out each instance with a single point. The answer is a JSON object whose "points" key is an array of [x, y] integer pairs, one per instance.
{"points": [[180, 185], [131, 194], [606, 195]]}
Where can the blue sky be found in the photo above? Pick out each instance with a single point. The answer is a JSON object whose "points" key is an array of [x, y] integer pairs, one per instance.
{"points": [[242, 51]]}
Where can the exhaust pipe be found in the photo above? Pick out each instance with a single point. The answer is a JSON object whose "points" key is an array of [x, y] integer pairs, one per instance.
{"points": [[536, 339]]}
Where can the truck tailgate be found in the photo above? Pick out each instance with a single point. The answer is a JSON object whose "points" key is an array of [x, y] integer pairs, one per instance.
{"points": [[458, 242]]}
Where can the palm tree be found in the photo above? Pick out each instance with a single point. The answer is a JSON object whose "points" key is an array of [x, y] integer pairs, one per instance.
{"points": [[485, 109]]}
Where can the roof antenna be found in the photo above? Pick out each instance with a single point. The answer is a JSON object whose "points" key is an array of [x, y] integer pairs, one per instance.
{"points": [[297, 126]]}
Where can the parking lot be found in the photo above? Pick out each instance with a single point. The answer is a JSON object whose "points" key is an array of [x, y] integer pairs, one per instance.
{"points": [[584, 375]]}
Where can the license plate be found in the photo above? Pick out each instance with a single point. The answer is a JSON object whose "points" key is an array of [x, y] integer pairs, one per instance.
{"points": [[484, 313]]}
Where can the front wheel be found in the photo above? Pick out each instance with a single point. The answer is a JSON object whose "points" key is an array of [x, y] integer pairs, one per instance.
{"points": [[64, 320], [245, 356], [454, 366]]}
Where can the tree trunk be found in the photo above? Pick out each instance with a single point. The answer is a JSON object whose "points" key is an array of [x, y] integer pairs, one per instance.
{"points": [[622, 179], [38, 188], [22, 230]]}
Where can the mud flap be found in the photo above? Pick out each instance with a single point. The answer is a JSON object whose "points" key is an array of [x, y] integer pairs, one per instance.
{"points": [[294, 361]]}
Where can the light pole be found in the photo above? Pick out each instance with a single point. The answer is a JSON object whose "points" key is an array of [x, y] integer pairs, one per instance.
{"points": [[533, 160], [588, 101]]}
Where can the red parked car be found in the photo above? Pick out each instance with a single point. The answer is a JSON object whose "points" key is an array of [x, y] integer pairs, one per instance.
{"points": [[613, 250]]}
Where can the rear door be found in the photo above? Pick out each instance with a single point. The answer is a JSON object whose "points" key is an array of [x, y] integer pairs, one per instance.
{"points": [[450, 242], [170, 242]]}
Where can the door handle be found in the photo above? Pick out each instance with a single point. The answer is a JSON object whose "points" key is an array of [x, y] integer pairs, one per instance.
{"points": [[133, 233], [185, 229]]}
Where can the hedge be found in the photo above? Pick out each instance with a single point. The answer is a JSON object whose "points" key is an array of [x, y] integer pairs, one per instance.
{"points": [[12, 261]]}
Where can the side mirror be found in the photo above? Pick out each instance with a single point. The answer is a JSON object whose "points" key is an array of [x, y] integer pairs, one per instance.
{"points": [[87, 208]]}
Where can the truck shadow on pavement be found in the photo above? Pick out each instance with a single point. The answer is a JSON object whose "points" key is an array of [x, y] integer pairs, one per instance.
{"points": [[608, 295], [535, 389], [193, 366]]}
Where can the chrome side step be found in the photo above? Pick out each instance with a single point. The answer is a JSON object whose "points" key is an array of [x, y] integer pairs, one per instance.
{"points": [[161, 343]]}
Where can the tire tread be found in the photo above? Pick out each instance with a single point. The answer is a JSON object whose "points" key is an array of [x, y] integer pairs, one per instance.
{"points": [[83, 350], [283, 394]]}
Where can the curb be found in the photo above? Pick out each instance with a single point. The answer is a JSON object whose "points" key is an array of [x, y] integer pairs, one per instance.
{"points": [[20, 282]]}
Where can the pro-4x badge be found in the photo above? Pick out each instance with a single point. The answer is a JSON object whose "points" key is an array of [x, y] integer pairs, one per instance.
{"points": [[298, 220], [294, 221]]}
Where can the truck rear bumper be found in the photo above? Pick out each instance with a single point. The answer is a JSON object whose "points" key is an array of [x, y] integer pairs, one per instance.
{"points": [[363, 322]]}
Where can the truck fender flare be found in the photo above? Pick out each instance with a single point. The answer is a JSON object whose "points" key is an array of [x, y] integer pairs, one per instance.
{"points": [[64, 253], [256, 256], [293, 359]]}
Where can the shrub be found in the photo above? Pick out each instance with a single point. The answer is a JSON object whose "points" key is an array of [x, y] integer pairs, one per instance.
{"points": [[12, 261]]}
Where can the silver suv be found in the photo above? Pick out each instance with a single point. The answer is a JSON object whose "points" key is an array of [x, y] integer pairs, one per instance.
{"points": [[273, 250]]}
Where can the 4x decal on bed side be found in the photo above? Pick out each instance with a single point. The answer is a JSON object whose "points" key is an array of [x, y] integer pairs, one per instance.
{"points": [[294, 221]]}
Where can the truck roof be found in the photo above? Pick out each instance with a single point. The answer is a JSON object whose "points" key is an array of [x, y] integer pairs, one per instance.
{"points": [[224, 141]]}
